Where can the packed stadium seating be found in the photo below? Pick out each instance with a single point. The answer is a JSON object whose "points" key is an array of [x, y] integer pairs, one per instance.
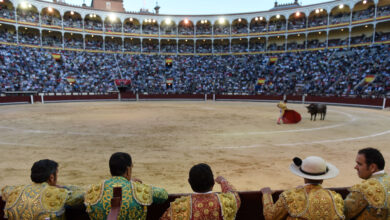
{"points": [[336, 48], [338, 72], [332, 48]]}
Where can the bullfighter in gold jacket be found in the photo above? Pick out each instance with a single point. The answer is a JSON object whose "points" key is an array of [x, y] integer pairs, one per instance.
{"points": [[310, 201], [42, 199], [369, 199]]}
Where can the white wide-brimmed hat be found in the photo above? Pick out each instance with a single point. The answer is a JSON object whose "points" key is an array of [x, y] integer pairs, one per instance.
{"points": [[314, 168]]}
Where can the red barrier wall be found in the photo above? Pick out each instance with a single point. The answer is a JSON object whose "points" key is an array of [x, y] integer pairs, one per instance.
{"points": [[171, 96], [345, 100], [9, 99], [249, 97], [77, 97], [375, 102]]}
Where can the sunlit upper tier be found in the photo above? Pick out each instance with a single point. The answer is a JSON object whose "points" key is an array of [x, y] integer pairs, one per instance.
{"points": [[288, 18], [285, 27]]}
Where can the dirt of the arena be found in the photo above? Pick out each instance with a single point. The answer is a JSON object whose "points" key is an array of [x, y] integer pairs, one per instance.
{"points": [[240, 140]]}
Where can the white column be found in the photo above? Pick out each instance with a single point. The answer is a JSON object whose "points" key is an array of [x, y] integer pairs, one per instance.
{"points": [[42, 99], [384, 103]]}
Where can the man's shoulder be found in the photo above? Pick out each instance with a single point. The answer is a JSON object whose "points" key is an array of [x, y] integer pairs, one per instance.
{"points": [[142, 193], [373, 192], [94, 193], [293, 193], [10, 194], [295, 200], [181, 207], [53, 198]]}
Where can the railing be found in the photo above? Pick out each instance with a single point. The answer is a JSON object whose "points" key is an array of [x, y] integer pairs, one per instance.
{"points": [[251, 206], [25, 98]]}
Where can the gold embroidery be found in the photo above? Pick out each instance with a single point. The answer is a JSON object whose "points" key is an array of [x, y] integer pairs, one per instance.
{"points": [[181, 209], [53, 198], [295, 201], [373, 192], [338, 203], [94, 194], [143, 194], [13, 195], [228, 205]]}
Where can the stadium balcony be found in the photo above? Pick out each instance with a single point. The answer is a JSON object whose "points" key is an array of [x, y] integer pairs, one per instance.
{"points": [[61, 26]]}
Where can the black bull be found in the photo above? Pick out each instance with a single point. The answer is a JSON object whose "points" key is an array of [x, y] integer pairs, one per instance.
{"points": [[315, 109]]}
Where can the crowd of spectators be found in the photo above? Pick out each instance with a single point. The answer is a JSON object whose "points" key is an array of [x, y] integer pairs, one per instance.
{"points": [[240, 28], [318, 20], [113, 27], [327, 72], [168, 30], [204, 29], [6, 13], [93, 25], [341, 17], [73, 23], [53, 41], [76, 43], [383, 11], [277, 25], [297, 23], [7, 36], [221, 29], [150, 29], [186, 30], [131, 27], [129, 46], [363, 14], [28, 16], [51, 20]]}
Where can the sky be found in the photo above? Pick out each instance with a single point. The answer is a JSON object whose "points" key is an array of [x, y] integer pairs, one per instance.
{"points": [[202, 7]]}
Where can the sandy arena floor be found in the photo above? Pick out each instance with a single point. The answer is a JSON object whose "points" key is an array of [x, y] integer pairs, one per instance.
{"points": [[241, 141]]}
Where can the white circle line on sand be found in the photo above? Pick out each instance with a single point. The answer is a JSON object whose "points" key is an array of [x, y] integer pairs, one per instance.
{"points": [[351, 117], [321, 141], [338, 140], [36, 131], [20, 144], [313, 142]]}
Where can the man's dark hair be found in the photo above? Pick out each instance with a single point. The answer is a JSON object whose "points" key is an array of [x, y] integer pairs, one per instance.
{"points": [[373, 156], [41, 170], [119, 162], [201, 178]]}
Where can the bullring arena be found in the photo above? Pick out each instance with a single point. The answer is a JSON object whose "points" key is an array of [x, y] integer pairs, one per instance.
{"points": [[78, 83], [240, 140]]}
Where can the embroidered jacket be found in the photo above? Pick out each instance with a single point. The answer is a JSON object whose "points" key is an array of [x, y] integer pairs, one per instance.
{"points": [[39, 201], [282, 107], [135, 198], [369, 199], [205, 206], [309, 202]]}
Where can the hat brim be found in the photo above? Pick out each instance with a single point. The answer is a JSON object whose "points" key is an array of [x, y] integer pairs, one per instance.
{"points": [[332, 172]]}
